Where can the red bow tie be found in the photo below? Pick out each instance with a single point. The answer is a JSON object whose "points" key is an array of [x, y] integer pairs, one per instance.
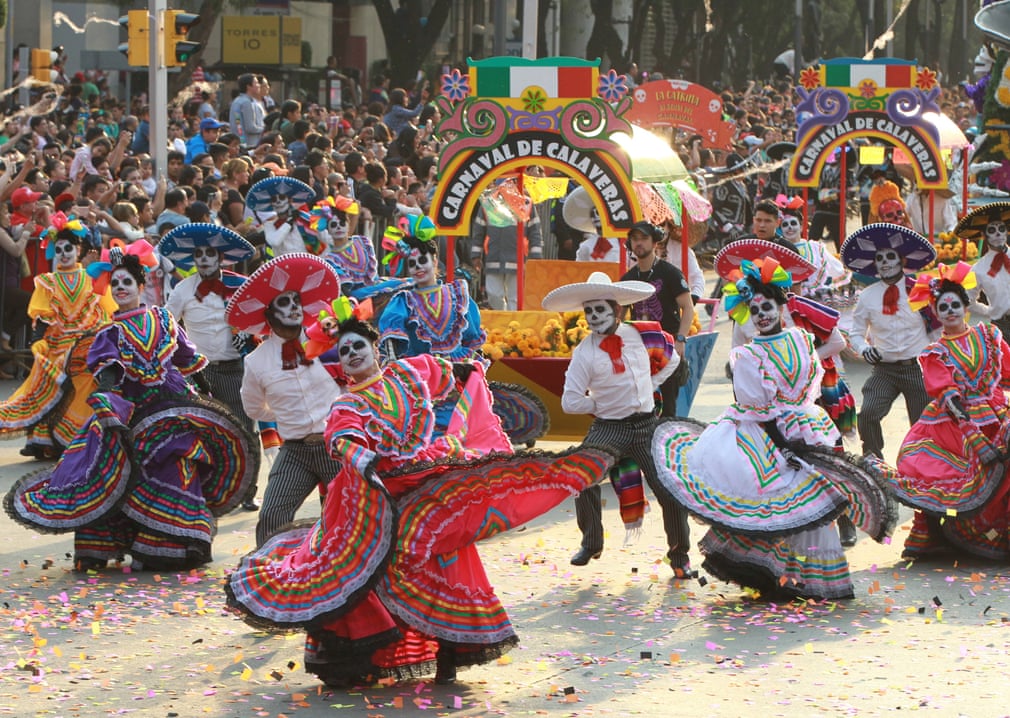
{"points": [[612, 345], [293, 354], [999, 261], [891, 299], [213, 286], [601, 248]]}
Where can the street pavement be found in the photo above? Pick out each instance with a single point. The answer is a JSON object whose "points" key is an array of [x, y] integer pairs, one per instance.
{"points": [[619, 637]]}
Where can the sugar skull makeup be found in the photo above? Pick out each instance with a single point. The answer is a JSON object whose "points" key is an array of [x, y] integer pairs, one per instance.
{"points": [[950, 309], [790, 227], [995, 235], [65, 254], [125, 289], [421, 268], [766, 314], [287, 308], [888, 263], [357, 355], [207, 261], [600, 316]]}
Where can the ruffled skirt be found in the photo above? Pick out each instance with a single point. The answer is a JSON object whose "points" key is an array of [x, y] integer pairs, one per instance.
{"points": [[148, 481], [378, 582]]}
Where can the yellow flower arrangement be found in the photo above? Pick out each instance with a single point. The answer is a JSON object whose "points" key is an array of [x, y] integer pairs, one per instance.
{"points": [[556, 337], [951, 249]]}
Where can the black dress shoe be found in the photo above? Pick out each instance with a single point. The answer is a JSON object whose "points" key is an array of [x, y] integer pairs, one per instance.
{"points": [[445, 666], [846, 531], [250, 505], [583, 556]]}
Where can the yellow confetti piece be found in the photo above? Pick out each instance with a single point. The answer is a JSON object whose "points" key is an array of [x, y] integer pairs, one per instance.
{"points": [[887, 621], [808, 647], [952, 512], [199, 603], [504, 660], [57, 652], [96, 628], [939, 614], [40, 642], [246, 674]]}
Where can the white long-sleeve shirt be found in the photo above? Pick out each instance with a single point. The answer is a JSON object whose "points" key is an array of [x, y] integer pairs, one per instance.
{"points": [[204, 321], [592, 387], [898, 337], [997, 289], [297, 399]]}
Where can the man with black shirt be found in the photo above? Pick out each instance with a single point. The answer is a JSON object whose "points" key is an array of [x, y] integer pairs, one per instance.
{"points": [[671, 305]]}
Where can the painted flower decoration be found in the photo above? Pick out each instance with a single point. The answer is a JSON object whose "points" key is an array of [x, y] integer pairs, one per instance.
{"points": [[612, 87], [1000, 177], [926, 79], [534, 99], [455, 86], [868, 88], [810, 78]]}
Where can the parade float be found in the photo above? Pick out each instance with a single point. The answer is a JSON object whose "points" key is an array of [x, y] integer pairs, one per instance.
{"points": [[506, 114]]}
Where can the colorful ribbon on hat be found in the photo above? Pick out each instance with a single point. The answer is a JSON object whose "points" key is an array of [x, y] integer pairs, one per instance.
{"points": [[927, 287], [101, 271], [58, 222], [737, 293], [784, 202]]}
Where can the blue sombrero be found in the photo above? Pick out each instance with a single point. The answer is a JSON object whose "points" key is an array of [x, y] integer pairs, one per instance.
{"points": [[860, 247], [178, 244], [261, 195]]}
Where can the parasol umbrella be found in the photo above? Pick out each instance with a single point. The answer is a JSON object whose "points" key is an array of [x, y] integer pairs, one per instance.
{"points": [[652, 158]]}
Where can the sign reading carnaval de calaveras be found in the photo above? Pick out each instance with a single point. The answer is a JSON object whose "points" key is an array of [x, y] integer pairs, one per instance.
{"points": [[507, 113], [676, 103], [846, 97]]}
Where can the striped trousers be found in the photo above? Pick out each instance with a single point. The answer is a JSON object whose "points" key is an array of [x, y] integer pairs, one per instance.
{"points": [[886, 382], [299, 468], [631, 437], [225, 380]]}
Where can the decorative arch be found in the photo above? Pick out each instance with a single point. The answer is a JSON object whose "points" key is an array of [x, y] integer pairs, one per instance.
{"points": [[846, 98], [558, 112]]}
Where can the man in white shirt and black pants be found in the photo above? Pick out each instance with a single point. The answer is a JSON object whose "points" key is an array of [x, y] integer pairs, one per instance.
{"points": [[610, 377], [885, 330], [281, 384]]}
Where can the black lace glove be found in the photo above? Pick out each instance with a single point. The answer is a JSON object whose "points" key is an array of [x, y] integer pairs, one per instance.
{"points": [[462, 371], [107, 380], [791, 457], [39, 331], [200, 382]]}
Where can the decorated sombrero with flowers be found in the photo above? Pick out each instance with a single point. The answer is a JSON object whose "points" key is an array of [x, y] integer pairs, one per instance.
{"points": [[731, 257], [972, 225], [315, 281], [178, 244], [571, 297], [738, 293], [861, 246], [261, 195]]}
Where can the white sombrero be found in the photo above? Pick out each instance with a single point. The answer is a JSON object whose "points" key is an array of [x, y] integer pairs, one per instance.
{"points": [[571, 297]]}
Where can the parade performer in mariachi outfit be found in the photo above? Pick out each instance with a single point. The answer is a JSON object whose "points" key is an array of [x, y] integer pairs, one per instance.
{"points": [[276, 203], [388, 582], [989, 223], [888, 334], [749, 474], [441, 318], [155, 466], [51, 405], [198, 302], [952, 464], [612, 375]]}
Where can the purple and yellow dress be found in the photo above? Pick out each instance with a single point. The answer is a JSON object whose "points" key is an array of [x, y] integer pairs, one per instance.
{"points": [[391, 569], [51, 404], [155, 465], [770, 523], [959, 501]]}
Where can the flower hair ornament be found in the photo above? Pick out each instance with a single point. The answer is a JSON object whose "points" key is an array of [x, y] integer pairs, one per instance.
{"points": [[318, 218], [101, 270], [789, 203], [928, 285], [57, 223], [397, 250], [737, 293], [322, 332]]}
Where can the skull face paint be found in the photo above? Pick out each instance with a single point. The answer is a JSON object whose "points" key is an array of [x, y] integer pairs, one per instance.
{"points": [[125, 289], [950, 309], [207, 261], [421, 268], [790, 227], [65, 254], [766, 314], [281, 205], [888, 263], [600, 316], [995, 235], [357, 356], [336, 229], [287, 308]]}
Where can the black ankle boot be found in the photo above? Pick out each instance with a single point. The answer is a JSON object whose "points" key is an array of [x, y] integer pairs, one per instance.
{"points": [[445, 666]]}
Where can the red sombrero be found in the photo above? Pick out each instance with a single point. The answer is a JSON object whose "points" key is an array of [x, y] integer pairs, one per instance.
{"points": [[315, 281], [730, 256]]}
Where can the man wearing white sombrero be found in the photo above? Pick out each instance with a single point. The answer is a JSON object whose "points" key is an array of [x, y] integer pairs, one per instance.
{"points": [[885, 330], [610, 376], [281, 384]]}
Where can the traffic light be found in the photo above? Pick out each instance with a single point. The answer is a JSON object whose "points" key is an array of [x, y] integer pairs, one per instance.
{"points": [[137, 46], [42, 65], [178, 49]]}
